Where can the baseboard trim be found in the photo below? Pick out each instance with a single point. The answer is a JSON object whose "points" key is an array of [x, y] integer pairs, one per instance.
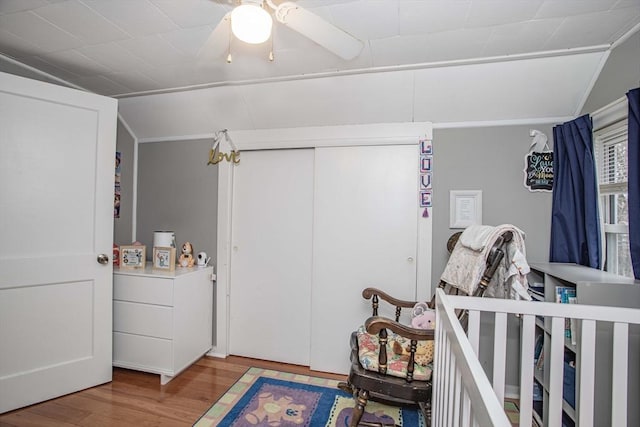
{"points": [[512, 391]]}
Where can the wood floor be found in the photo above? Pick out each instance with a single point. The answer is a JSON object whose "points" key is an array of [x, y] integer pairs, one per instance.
{"points": [[137, 399]]}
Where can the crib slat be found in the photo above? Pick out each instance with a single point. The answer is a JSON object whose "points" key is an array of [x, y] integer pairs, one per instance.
{"points": [[437, 372], [526, 369], [499, 355], [587, 365], [555, 364], [445, 385], [473, 330], [437, 377], [619, 378], [456, 399], [450, 376], [466, 409]]}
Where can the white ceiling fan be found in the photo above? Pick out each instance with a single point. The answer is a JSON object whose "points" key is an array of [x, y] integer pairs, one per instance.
{"points": [[251, 21]]}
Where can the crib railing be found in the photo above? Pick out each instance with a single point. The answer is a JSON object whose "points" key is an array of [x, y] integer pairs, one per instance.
{"points": [[464, 396]]}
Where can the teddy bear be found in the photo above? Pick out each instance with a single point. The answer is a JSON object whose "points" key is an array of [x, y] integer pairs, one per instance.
{"points": [[423, 356], [422, 317], [186, 257], [276, 411]]}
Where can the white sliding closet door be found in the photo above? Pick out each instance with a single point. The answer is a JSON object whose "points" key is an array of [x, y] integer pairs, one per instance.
{"points": [[270, 287], [365, 234]]}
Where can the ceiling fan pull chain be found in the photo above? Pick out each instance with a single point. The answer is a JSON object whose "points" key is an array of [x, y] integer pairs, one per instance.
{"points": [[271, 51], [229, 45]]}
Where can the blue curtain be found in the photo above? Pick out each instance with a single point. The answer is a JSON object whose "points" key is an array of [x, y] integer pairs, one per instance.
{"points": [[575, 224], [633, 150]]}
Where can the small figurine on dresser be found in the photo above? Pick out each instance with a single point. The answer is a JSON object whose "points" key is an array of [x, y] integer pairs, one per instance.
{"points": [[116, 255], [186, 257]]}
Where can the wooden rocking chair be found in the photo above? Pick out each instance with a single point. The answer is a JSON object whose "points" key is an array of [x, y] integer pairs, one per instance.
{"points": [[411, 386]]}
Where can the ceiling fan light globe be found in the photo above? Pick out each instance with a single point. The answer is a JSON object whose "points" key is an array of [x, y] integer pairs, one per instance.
{"points": [[251, 23]]}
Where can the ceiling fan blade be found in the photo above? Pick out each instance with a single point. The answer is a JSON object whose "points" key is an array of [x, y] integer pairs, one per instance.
{"points": [[319, 30], [218, 42]]}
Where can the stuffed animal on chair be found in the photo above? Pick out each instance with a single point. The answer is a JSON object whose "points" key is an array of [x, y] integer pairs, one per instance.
{"points": [[423, 317], [186, 257], [426, 320], [423, 355]]}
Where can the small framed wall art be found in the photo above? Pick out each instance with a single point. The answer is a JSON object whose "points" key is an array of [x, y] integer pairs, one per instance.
{"points": [[132, 256], [465, 208], [164, 258]]}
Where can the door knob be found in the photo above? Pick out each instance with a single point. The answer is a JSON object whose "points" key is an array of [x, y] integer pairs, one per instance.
{"points": [[410, 259], [103, 259]]}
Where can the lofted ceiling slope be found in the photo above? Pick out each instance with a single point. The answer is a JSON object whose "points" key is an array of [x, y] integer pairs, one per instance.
{"points": [[444, 61], [518, 91]]}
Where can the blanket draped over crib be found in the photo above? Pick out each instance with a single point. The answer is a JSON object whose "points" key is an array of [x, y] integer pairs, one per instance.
{"points": [[467, 262]]}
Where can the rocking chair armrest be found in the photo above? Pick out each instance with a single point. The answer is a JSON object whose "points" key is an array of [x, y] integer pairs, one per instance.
{"points": [[368, 293], [375, 324]]}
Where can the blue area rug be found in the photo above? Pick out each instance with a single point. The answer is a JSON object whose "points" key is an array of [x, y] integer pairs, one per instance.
{"points": [[272, 398]]}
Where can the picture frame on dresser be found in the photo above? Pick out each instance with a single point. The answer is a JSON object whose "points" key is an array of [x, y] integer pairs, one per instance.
{"points": [[133, 256], [164, 258]]}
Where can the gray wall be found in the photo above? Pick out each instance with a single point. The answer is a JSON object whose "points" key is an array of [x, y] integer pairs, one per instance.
{"points": [[122, 226], [177, 191], [620, 74], [490, 159]]}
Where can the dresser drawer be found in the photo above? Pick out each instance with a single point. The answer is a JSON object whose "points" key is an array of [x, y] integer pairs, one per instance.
{"points": [[143, 319], [145, 353], [150, 290]]}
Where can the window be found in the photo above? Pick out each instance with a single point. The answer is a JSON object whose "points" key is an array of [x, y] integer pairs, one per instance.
{"points": [[610, 145]]}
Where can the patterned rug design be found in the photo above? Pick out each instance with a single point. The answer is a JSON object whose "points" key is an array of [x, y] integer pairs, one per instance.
{"points": [[512, 411], [279, 399]]}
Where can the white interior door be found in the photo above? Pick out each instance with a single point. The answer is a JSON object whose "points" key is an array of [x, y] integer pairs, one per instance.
{"points": [[270, 284], [365, 234], [56, 216]]}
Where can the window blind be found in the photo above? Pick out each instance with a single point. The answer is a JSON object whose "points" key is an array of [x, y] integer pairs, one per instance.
{"points": [[611, 159]]}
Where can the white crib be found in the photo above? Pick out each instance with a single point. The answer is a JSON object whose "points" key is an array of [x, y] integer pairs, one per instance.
{"points": [[464, 396]]}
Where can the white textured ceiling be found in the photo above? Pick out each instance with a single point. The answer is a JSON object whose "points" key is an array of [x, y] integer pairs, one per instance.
{"points": [[443, 61], [520, 91], [120, 47]]}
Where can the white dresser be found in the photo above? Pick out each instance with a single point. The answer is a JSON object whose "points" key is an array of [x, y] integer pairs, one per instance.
{"points": [[162, 322]]}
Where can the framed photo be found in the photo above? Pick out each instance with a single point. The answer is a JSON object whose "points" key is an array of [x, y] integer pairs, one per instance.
{"points": [[164, 258], [465, 208], [133, 256]]}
